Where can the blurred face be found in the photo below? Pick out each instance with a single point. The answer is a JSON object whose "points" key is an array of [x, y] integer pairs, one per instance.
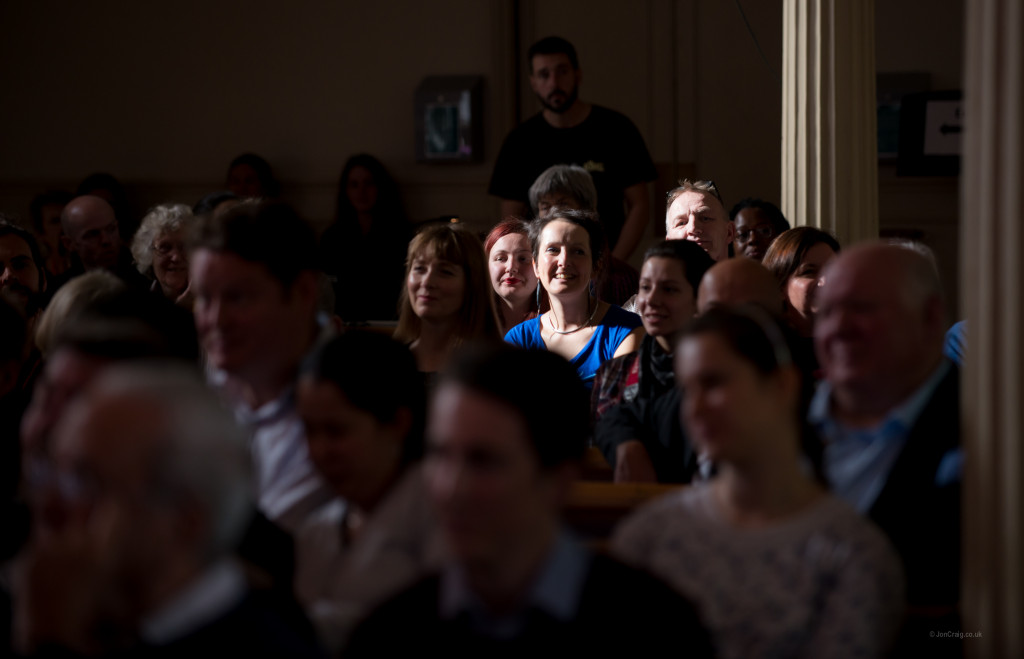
{"points": [[555, 81], [247, 322], [65, 375], [869, 333], [354, 452], [244, 181], [19, 276], [665, 299], [555, 200], [362, 189], [483, 477], [170, 263], [726, 402], [565, 263], [754, 233], [52, 231], [100, 486], [511, 267], [436, 288], [700, 217], [802, 287]]}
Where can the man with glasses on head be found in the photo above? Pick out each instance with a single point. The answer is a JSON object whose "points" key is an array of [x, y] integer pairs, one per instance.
{"points": [[573, 132], [93, 242], [695, 212]]}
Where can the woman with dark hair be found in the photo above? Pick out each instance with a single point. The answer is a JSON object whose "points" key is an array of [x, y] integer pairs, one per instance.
{"points": [[250, 176], [634, 400], [369, 235], [510, 264], [776, 565], [796, 258], [569, 251], [363, 406], [447, 299]]}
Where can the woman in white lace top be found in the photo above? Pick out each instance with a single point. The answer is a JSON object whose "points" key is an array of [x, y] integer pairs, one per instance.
{"points": [[777, 566]]}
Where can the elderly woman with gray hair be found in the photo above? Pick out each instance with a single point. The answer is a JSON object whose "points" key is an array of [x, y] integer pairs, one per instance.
{"points": [[159, 249]]}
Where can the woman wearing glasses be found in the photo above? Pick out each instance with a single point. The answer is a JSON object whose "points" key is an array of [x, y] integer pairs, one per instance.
{"points": [[776, 565], [758, 223], [159, 250]]}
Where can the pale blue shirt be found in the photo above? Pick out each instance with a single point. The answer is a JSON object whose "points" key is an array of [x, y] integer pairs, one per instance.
{"points": [[858, 460]]}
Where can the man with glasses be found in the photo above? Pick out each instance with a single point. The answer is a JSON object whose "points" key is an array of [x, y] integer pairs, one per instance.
{"points": [[696, 213]]}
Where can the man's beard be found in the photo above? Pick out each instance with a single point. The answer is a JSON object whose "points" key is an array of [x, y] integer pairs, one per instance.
{"points": [[570, 100], [26, 301]]}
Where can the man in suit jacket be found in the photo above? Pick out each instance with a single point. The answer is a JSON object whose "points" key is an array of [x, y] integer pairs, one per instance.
{"points": [[888, 410], [502, 458], [134, 525]]}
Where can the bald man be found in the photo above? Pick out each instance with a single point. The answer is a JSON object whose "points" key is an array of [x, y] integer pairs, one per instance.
{"points": [[92, 239], [739, 281], [888, 412]]}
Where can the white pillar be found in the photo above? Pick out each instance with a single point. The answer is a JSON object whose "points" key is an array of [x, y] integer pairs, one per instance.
{"points": [[992, 280], [829, 134]]}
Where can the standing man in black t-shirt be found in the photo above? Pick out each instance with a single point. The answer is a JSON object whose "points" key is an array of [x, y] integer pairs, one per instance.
{"points": [[572, 131]]}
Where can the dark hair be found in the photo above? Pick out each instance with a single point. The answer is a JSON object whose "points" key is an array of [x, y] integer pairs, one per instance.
{"points": [[389, 200], [378, 376], [209, 202], [691, 256], [259, 165], [102, 181], [35, 209], [552, 46], [267, 232], [788, 249], [132, 325], [770, 211], [558, 425], [766, 342], [8, 228], [588, 221]]}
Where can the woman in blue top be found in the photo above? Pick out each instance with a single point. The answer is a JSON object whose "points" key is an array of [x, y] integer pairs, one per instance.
{"points": [[568, 249]]}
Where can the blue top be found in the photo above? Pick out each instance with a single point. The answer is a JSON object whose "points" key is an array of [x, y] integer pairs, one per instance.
{"points": [[608, 334], [956, 343]]}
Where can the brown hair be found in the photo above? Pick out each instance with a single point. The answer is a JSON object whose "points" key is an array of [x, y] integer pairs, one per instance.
{"points": [[787, 251]]}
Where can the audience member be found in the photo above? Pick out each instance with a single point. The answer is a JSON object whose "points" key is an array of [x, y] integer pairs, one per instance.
{"points": [[500, 465], [363, 406], [253, 274], [370, 234], [215, 202], [889, 413], [45, 211], [510, 264], [250, 176], [696, 212], [70, 301], [757, 223], [22, 270], [135, 525], [572, 131], [570, 187], [109, 189], [447, 299], [739, 281], [569, 249], [797, 258], [635, 400], [777, 566], [92, 238], [159, 250]]}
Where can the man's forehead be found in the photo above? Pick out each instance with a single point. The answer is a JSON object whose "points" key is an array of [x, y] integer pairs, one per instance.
{"points": [[549, 61], [14, 245], [695, 200]]}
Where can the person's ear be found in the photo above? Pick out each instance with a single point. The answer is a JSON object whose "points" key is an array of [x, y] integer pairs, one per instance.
{"points": [[731, 230]]}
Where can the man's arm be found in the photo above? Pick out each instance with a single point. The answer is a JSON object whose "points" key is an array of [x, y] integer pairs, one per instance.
{"points": [[514, 208], [638, 210]]}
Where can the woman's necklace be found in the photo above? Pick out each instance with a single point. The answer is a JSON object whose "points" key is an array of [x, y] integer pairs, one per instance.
{"points": [[551, 322]]}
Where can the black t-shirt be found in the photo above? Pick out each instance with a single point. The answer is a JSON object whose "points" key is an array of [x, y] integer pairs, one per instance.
{"points": [[606, 144]]}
